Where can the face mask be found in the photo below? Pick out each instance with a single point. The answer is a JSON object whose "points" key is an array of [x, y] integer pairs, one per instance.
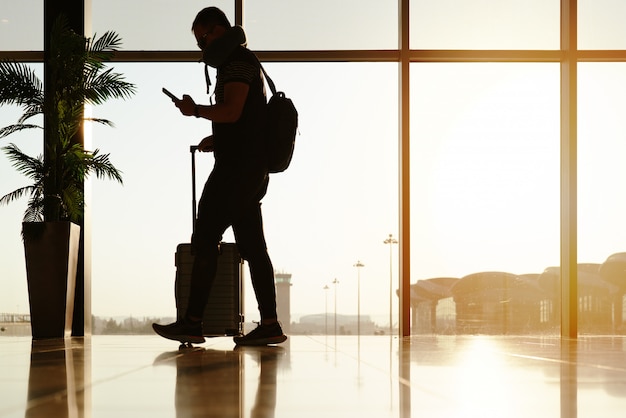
{"points": [[217, 51]]}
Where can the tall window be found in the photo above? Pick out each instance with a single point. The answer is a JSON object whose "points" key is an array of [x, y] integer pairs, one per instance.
{"points": [[484, 152], [335, 205]]}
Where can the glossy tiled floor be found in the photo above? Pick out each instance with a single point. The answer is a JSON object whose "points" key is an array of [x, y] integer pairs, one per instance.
{"points": [[446, 376]]}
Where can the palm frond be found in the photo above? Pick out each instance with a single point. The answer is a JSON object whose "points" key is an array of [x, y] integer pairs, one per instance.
{"points": [[109, 41], [66, 46], [101, 121], [69, 129], [102, 167], [19, 85], [101, 86], [30, 110], [34, 210], [99, 51], [73, 201], [29, 166], [17, 194], [8, 130], [104, 47]]}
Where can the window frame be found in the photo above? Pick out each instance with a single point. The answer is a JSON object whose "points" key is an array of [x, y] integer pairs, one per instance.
{"points": [[568, 56]]}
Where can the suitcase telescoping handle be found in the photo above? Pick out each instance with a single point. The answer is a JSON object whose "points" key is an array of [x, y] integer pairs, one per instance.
{"points": [[193, 149]]}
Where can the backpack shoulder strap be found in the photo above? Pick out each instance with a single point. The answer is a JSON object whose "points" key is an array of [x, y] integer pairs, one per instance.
{"points": [[269, 80]]}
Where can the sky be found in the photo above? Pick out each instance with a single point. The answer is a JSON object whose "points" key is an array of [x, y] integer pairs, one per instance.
{"points": [[484, 154]]}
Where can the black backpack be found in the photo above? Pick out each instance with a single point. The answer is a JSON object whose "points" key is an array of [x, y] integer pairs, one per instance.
{"points": [[281, 128]]}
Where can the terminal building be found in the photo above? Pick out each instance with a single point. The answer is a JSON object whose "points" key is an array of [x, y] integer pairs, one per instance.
{"points": [[504, 303]]}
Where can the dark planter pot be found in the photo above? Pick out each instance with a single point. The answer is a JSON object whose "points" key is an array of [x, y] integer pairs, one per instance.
{"points": [[51, 250]]}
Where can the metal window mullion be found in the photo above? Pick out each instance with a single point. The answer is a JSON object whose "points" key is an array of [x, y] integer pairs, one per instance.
{"points": [[568, 215], [404, 319], [239, 12]]}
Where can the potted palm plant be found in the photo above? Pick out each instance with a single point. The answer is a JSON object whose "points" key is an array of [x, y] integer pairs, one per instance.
{"points": [[76, 75]]}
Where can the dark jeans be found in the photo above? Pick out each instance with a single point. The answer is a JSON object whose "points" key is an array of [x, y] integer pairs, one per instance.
{"points": [[231, 197]]}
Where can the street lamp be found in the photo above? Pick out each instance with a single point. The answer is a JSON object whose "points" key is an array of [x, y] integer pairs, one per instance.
{"points": [[335, 282], [358, 266], [326, 309], [391, 240]]}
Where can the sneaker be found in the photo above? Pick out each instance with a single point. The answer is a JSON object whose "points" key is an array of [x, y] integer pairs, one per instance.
{"points": [[181, 330], [262, 335]]}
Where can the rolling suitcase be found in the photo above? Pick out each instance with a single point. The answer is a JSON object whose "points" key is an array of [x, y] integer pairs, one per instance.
{"points": [[223, 314]]}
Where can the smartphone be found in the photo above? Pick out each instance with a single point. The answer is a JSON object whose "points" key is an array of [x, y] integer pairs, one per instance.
{"points": [[170, 94]]}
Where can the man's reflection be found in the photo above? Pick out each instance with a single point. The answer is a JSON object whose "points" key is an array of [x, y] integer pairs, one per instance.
{"points": [[209, 382], [268, 358]]}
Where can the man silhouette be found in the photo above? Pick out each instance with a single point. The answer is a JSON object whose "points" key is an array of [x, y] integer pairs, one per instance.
{"points": [[237, 183]]}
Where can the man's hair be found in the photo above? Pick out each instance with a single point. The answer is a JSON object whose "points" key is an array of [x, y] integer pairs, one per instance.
{"points": [[211, 16]]}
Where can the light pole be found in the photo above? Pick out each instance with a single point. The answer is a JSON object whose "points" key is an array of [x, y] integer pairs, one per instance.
{"points": [[358, 266], [335, 282], [391, 240], [326, 309]]}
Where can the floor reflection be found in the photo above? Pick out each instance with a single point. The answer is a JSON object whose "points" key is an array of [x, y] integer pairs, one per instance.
{"points": [[210, 382], [569, 379], [56, 381], [433, 376], [483, 374], [268, 359]]}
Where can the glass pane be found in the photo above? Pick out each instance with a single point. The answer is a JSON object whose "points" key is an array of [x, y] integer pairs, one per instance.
{"points": [[21, 26], [322, 24], [152, 25], [485, 24], [335, 205], [14, 293], [601, 202], [484, 197], [601, 24]]}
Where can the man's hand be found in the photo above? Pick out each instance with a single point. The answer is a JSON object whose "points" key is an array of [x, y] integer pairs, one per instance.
{"points": [[186, 105], [206, 145], [228, 111]]}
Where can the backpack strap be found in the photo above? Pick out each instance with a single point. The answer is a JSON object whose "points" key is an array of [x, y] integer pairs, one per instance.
{"points": [[269, 80], [208, 83]]}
